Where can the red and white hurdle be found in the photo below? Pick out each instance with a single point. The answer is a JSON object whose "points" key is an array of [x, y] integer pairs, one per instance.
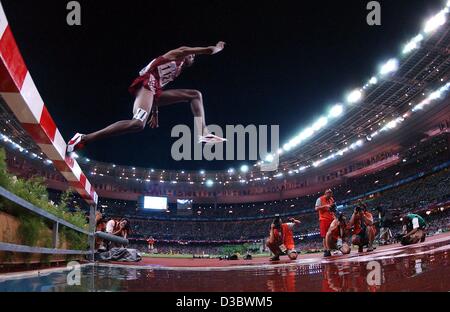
{"points": [[22, 96]]}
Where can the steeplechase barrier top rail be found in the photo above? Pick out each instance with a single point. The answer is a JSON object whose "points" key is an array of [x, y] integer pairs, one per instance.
{"points": [[23, 99], [21, 95]]}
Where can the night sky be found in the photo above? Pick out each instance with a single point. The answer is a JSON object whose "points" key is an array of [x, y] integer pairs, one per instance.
{"points": [[284, 64]]}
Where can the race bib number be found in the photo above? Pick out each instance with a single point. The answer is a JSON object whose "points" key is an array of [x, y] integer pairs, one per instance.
{"points": [[167, 73]]}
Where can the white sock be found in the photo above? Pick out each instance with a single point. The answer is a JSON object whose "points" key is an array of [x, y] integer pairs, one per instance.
{"points": [[198, 124]]}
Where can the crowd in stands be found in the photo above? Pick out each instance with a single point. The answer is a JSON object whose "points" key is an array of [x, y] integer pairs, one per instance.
{"points": [[426, 196], [209, 230], [438, 222], [416, 195]]}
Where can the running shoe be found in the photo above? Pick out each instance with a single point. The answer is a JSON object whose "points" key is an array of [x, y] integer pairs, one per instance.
{"points": [[75, 143], [211, 139], [326, 253]]}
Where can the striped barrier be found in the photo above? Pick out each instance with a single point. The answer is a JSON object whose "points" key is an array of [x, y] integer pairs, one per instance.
{"points": [[21, 95]]}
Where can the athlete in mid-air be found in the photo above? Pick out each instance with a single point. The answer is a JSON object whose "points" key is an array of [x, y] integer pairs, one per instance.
{"points": [[149, 94]]}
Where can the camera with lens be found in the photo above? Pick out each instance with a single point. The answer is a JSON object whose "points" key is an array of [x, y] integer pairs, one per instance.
{"points": [[333, 207], [277, 221], [341, 217], [360, 206]]}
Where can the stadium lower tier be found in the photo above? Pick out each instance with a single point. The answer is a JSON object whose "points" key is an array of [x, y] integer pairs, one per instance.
{"points": [[437, 223], [428, 196]]}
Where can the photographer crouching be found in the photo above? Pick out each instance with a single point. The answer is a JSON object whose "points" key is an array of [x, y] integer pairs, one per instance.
{"points": [[414, 229], [281, 239], [336, 238], [363, 228]]}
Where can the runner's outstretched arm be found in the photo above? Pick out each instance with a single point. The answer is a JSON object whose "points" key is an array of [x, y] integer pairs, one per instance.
{"points": [[182, 52]]}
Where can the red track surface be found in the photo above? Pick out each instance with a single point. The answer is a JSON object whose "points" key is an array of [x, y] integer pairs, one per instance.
{"points": [[308, 258], [216, 263], [421, 267]]}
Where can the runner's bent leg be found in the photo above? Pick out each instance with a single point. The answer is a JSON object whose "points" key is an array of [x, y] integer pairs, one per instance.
{"points": [[194, 97], [141, 111]]}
